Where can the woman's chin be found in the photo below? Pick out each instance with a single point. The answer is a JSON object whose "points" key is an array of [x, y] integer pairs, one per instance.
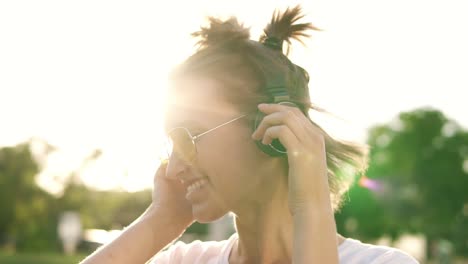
{"points": [[206, 214]]}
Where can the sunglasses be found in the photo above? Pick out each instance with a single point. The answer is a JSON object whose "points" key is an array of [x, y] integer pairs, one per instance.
{"points": [[183, 144]]}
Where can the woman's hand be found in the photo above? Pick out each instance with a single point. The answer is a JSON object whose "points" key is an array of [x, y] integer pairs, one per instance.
{"points": [[165, 220], [169, 198], [314, 237], [308, 183]]}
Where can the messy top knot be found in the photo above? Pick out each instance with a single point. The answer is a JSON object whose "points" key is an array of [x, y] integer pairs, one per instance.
{"points": [[220, 32], [282, 27]]}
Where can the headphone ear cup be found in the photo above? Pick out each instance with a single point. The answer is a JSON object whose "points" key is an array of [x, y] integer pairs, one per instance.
{"points": [[275, 149]]}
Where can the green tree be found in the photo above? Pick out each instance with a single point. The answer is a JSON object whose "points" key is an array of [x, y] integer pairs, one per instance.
{"points": [[25, 209], [29, 215], [419, 176]]}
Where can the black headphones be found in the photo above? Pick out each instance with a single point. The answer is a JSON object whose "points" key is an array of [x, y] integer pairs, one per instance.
{"points": [[277, 89], [285, 86]]}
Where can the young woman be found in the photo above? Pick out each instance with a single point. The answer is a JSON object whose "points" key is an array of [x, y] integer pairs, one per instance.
{"points": [[243, 143]]}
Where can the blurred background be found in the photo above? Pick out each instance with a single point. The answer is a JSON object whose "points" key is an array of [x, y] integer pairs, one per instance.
{"points": [[81, 99]]}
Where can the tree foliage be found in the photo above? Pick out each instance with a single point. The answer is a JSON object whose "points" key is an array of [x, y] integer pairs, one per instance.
{"points": [[25, 209], [417, 181], [29, 215]]}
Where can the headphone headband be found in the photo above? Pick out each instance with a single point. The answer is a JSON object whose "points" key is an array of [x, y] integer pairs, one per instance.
{"points": [[287, 86]]}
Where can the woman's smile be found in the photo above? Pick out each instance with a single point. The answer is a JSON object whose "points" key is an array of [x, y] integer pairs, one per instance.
{"points": [[196, 189]]}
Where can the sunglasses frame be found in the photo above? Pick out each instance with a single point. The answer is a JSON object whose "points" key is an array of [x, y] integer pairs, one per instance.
{"points": [[195, 138]]}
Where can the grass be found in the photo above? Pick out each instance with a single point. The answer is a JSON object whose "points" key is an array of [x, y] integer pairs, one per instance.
{"points": [[39, 258]]}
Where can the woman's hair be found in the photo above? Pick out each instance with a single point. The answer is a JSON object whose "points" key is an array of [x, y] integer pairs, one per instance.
{"points": [[226, 54]]}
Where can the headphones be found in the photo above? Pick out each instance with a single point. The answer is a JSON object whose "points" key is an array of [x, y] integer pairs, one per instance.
{"points": [[277, 90]]}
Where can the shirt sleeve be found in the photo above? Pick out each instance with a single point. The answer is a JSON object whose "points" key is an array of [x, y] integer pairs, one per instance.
{"points": [[171, 255], [160, 258], [395, 257]]}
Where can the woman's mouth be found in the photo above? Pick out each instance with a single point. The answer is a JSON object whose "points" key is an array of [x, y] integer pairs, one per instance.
{"points": [[195, 186]]}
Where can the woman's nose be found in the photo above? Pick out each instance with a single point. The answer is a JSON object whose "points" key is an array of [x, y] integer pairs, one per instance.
{"points": [[175, 167]]}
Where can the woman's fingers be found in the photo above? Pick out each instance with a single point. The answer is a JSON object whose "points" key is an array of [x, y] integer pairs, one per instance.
{"points": [[161, 171], [289, 125], [276, 114], [271, 108], [287, 118], [283, 133]]}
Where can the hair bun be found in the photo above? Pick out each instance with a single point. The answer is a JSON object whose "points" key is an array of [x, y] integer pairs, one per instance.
{"points": [[282, 27], [220, 32]]}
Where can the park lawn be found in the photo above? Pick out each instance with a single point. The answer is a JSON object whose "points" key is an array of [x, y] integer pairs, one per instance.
{"points": [[39, 258]]}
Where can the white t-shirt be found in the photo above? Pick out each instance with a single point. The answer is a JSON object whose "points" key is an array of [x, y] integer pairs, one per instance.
{"points": [[351, 251]]}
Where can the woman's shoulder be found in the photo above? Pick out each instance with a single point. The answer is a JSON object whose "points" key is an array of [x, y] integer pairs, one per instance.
{"points": [[354, 251]]}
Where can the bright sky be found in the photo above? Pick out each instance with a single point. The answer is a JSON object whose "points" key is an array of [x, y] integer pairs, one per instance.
{"points": [[91, 74]]}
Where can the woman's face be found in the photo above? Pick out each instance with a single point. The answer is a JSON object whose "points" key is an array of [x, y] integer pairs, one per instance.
{"points": [[234, 173]]}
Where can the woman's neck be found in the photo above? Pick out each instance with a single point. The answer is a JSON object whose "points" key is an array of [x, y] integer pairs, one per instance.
{"points": [[264, 229]]}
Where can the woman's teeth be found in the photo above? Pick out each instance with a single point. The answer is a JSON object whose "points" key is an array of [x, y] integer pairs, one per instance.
{"points": [[196, 185]]}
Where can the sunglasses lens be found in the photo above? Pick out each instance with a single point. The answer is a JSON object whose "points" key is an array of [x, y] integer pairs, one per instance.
{"points": [[181, 144]]}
